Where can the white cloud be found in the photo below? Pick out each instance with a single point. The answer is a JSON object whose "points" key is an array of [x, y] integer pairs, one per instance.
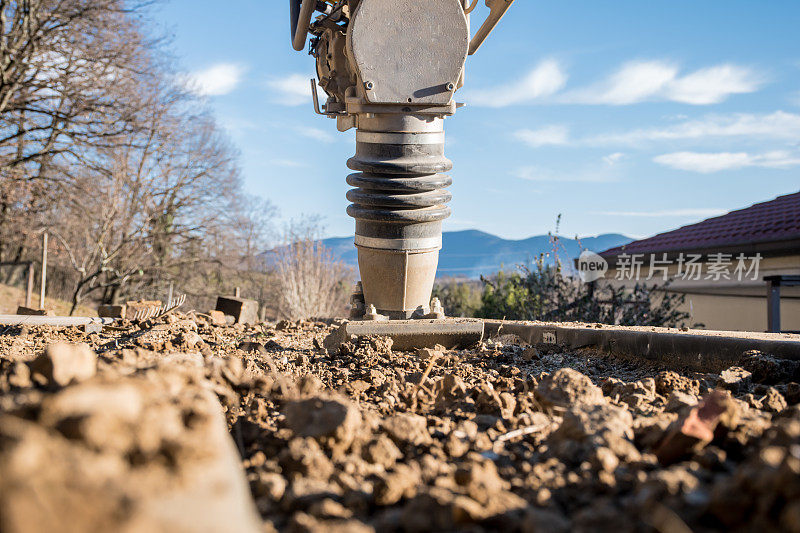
{"points": [[315, 134], [216, 80], [656, 80], [533, 173], [707, 163], [778, 125], [613, 159], [702, 212], [294, 89], [546, 79], [713, 85], [549, 135], [634, 82]]}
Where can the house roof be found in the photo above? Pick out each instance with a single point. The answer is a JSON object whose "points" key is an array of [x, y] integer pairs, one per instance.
{"points": [[767, 226]]}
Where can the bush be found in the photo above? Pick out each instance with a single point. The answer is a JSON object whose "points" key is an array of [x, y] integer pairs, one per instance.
{"points": [[546, 293], [459, 298], [311, 283]]}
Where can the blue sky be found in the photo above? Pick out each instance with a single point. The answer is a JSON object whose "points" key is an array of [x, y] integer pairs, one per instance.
{"points": [[627, 116]]}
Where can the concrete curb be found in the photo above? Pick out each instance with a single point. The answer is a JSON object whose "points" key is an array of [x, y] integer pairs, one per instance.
{"points": [[671, 348]]}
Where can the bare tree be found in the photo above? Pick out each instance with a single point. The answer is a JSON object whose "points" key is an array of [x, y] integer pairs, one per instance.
{"points": [[69, 70], [101, 146], [141, 212]]}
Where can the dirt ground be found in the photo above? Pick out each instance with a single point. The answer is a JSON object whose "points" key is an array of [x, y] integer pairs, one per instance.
{"points": [[127, 434]]}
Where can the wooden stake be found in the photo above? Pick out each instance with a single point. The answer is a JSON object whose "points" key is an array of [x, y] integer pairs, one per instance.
{"points": [[44, 270], [29, 290]]}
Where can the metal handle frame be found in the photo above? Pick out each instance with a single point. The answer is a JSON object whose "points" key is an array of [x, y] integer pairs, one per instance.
{"points": [[300, 27], [497, 9]]}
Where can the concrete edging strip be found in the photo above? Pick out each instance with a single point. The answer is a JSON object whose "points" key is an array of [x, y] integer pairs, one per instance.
{"points": [[672, 348]]}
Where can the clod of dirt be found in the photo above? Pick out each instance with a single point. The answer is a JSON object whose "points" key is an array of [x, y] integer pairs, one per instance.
{"points": [[63, 363], [408, 428], [305, 458], [768, 369], [144, 453], [426, 354], [332, 420], [680, 401], [669, 381], [598, 423], [567, 387], [383, 451], [773, 401], [401, 482], [490, 402], [735, 379], [480, 480]]}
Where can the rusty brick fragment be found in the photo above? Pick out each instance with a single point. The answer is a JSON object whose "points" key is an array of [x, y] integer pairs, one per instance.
{"points": [[695, 430]]}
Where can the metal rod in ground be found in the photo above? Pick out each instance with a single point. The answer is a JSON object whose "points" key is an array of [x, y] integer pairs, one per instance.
{"points": [[44, 271], [773, 306], [63, 321], [29, 289]]}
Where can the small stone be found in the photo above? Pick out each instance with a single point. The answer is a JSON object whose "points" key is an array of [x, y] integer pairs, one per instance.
{"points": [[491, 403], [191, 339], [217, 318], [244, 311], [252, 347], [64, 363], [427, 354], [450, 389]]}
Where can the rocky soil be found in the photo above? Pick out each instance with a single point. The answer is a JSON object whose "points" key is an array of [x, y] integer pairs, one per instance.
{"points": [[164, 426]]}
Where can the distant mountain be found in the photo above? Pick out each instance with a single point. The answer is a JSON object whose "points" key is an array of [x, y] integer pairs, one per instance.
{"points": [[471, 253]]}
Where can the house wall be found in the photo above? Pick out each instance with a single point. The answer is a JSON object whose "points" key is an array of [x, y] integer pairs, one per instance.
{"points": [[730, 304], [739, 313]]}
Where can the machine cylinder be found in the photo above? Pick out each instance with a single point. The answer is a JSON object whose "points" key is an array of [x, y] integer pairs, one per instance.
{"points": [[399, 204]]}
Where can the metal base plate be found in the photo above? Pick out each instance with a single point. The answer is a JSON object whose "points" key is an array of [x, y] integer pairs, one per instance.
{"points": [[413, 334]]}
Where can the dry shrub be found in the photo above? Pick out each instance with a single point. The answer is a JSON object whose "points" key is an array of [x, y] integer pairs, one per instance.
{"points": [[312, 283]]}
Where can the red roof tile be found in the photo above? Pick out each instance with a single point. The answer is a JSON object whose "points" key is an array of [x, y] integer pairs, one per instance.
{"points": [[768, 222]]}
